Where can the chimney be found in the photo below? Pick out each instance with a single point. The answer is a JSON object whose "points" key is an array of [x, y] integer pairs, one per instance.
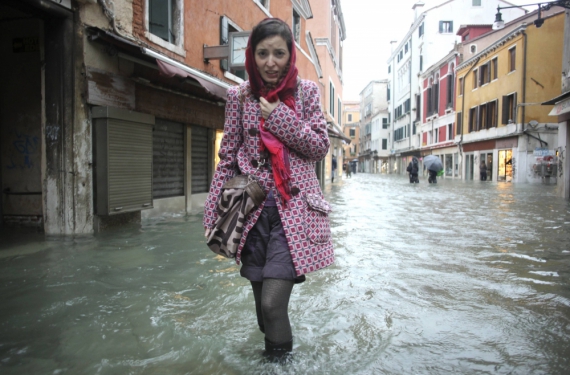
{"points": [[417, 9]]}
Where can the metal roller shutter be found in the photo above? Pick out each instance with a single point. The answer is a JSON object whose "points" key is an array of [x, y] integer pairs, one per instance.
{"points": [[200, 159], [168, 159], [123, 160]]}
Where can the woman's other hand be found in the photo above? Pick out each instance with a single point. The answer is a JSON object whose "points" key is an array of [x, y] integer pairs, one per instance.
{"points": [[266, 107], [207, 232]]}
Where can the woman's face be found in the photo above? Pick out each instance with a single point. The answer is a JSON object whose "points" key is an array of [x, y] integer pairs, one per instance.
{"points": [[271, 58]]}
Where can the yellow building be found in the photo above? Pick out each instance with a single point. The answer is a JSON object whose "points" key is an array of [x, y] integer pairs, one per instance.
{"points": [[504, 131]]}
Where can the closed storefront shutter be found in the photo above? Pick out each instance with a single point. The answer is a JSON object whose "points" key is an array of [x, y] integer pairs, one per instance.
{"points": [[200, 160], [123, 160], [168, 159]]}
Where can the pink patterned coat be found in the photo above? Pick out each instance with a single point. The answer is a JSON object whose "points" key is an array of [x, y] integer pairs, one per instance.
{"points": [[305, 217]]}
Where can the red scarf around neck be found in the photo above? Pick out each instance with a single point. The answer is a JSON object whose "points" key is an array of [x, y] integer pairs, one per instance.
{"points": [[284, 91]]}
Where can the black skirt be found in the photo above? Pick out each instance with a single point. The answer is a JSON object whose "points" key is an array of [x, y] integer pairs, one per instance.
{"points": [[266, 254]]}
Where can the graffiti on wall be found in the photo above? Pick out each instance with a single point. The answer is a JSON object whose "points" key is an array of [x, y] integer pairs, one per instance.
{"points": [[24, 147]]}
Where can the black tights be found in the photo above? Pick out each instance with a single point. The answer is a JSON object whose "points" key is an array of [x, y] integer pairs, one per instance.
{"points": [[271, 304]]}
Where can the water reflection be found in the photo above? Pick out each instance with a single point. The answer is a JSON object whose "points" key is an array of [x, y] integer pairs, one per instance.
{"points": [[458, 277]]}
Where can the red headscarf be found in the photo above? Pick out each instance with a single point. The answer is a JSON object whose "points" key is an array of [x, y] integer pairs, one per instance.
{"points": [[284, 91]]}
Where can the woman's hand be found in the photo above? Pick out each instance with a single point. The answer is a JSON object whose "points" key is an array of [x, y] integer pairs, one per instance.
{"points": [[207, 232], [266, 107]]}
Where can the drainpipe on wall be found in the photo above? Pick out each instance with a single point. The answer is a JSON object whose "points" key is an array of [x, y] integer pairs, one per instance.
{"points": [[110, 14], [524, 81]]}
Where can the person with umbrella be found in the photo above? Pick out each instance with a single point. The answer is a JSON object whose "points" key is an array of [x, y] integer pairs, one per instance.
{"points": [[433, 164], [413, 169]]}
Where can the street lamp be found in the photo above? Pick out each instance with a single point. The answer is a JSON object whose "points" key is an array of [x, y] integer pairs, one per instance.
{"points": [[499, 23]]}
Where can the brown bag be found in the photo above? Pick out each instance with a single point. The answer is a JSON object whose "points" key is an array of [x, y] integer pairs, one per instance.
{"points": [[240, 195]]}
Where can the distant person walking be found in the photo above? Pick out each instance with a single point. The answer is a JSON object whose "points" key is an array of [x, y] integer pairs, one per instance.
{"points": [[334, 165], [413, 169], [483, 171]]}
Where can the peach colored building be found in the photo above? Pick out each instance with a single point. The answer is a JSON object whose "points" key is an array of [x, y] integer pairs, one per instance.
{"points": [[328, 33]]}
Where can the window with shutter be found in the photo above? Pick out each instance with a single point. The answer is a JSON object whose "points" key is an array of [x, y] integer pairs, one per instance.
{"points": [[459, 121], [445, 27], [297, 27], [450, 84], [475, 79], [512, 59], [494, 69], [331, 99], [418, 98], [472, 119], [482, 117], [509, 109], [436, 94]]}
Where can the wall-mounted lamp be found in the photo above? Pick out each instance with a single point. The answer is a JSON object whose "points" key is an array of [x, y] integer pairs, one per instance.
{"points": [[499, 23]]}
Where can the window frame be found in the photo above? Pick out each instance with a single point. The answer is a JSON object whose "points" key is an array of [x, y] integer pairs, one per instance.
{"points": [[446, 30], [494, 68], [484, 74], [176, 27], [331, 98], [296, 26], [512, 59], [509, 108]]}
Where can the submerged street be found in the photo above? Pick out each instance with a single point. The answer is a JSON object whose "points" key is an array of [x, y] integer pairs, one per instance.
{"points": [[462, 277]]}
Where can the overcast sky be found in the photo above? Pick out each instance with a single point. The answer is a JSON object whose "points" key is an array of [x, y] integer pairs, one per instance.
{"points": [[370, 26]]}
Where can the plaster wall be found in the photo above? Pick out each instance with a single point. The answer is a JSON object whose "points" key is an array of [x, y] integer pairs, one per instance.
{"points": [[21, 118]]}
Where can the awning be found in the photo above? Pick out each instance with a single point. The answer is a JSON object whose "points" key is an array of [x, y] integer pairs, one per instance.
{"points": [[171, 68], [335, 133], [557, 99], [560, 108]]}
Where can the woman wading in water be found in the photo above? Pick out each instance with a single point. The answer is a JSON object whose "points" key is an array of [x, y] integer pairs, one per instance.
{"points": [[274, 129]]}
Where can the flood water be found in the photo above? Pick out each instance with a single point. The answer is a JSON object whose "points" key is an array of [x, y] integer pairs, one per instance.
{"points": [[454, 278]]}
